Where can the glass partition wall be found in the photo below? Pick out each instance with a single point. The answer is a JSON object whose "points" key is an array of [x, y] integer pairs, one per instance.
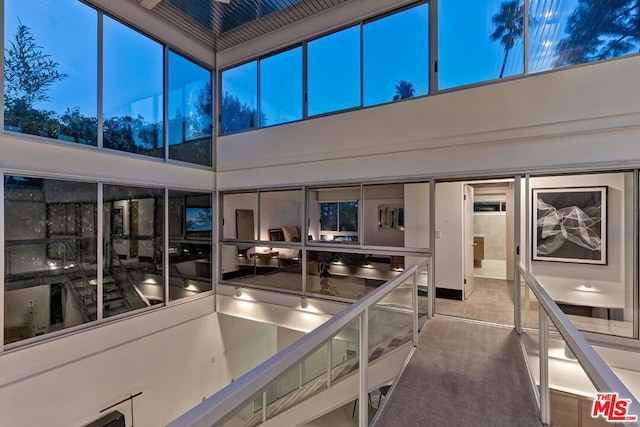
{"points": [[58, 276], [354, 238]]}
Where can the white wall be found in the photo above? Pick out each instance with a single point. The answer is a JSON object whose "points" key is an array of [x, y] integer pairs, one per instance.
{"points": [[493, 227], [449, 254], [554, 119], [372, 234], [416, 215], [613, 282], [166, 354], [245, 344], [280, 209]]}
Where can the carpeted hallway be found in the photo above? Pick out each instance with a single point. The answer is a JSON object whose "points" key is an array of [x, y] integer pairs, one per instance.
{"points": [[463, 374]]}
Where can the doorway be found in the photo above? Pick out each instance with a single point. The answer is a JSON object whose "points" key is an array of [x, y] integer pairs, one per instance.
{"points": [[474, 252]]}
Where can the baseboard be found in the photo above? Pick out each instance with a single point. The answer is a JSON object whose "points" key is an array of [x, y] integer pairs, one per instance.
{"points": [[445, 293]]}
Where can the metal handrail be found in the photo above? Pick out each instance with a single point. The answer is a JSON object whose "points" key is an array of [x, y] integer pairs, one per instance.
{"points": [[600, 374], [222, 405]]}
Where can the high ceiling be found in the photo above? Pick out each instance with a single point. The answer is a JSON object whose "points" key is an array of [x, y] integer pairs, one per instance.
{"points": [[223, 25]]}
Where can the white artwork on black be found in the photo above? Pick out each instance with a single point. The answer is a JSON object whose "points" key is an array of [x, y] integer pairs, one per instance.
{"points": [[570, 225]]}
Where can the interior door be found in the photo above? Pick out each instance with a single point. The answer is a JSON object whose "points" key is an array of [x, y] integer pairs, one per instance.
{"points": [[468, 240]]}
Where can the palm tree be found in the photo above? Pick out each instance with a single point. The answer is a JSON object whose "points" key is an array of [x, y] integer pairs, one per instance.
{"points": [[509, 22], [404, 90]]}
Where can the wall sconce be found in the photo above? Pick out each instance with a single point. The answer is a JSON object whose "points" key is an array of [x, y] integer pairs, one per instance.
{"points": [[304, 302], [238, 291]]}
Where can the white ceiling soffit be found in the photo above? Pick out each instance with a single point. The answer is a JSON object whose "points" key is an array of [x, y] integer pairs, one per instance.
{"points": [[149, 4], [227, 25]]}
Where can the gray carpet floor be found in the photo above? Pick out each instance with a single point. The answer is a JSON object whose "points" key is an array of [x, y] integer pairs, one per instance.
{"points": [[463, 374]]}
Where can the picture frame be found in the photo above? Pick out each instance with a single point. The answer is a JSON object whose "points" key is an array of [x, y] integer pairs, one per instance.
{"points": [[570, 224], [391, 217]]}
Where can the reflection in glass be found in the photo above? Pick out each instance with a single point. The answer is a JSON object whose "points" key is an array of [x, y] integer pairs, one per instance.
{"points": [[333, 72], [483, 43], [569, 32], [392, 70], [350, 275], [133, 87], [190, 111], [133, 242], [50, 256], [239, 103], [190, 231], [266, 266], [281, 87], [51, 50], [329, 216]]}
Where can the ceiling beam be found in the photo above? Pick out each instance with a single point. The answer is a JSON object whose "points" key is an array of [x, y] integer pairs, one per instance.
{"points": [[149, 4]]}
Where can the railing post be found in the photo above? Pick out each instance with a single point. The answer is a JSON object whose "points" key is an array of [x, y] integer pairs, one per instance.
{"points": [[329, 361], [264, 406], [363, 410], [517, 288], [543, 333], [414, 307]]}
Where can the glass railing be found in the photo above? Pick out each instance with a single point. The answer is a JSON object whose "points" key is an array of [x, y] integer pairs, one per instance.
{"points": [[380, 327], [572, 379], [269, 267]]}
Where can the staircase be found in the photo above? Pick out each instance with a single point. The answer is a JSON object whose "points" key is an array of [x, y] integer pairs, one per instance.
{"points": [[120, 294], [319, 384]]}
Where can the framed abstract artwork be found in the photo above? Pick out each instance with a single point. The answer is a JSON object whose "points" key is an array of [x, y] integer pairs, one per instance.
{"points": [[391, 217], [570, 225]]}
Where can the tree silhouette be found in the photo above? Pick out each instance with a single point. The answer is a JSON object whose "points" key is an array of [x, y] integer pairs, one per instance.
{"points": [[404, 90], [237, 115], [28, 70], [509, 27], [600, 29]]}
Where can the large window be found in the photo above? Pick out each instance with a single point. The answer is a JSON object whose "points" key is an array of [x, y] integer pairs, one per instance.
{"points": [[333, 72], [393, 70], [339, 216], [50, 53], [50, 256], [239, 98], [189, 111], [132, 91], [281, 87], [479, 41], [190, 233], [338, 221], [133, 242]]}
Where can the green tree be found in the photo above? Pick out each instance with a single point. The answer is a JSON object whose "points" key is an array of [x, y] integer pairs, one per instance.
{"points": [[509, 27], [28, 70], [600, 29], [82, 129], [237, 115], [404, 90]]}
